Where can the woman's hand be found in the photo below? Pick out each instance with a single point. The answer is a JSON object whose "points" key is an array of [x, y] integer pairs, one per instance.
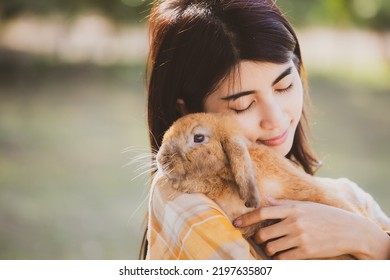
{"points": [[310, 230]]}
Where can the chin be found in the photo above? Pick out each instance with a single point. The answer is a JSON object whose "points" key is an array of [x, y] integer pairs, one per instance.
{"points": [[283, 151], [284, 148]]}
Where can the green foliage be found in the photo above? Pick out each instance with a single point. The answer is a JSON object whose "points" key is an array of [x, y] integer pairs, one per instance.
{"points": [[367, 13], [371, 14], [118, 10]]}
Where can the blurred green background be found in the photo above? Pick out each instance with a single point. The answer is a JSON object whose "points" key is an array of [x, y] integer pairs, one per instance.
{"points": [[72, 116]]}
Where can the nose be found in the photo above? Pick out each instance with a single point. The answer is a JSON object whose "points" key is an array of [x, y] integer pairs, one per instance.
{"points": [[272, 114]]}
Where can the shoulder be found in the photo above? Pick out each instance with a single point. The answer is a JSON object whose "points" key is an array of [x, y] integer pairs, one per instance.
{"points": [[191, 226], [348, 190], [170, 205], [363, 201], [344, 187]]}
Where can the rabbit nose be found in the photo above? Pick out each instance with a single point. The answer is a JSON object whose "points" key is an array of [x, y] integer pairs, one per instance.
{"points": [[162, 160], [159, 157]]}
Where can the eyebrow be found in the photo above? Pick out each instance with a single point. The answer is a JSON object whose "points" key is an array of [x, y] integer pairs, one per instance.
{"points": [[243, 93], [237, 95], [281, 76]]}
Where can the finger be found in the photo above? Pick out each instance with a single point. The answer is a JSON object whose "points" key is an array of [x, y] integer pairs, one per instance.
{"points": [[298, 251], [292, 254], [271, 232], [280, 245], [262, 214]]}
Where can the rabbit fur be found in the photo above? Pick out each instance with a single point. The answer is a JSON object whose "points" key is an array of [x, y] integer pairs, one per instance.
{"points": [[206, 153]]}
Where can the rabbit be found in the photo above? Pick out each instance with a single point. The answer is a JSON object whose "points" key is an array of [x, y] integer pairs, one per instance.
{"points": [[207, 153]]}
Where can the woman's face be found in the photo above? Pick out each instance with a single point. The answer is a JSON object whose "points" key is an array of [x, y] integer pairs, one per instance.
{"points": [[266, 99]]}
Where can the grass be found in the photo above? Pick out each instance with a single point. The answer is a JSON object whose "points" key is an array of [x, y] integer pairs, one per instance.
{"points": [[65, 193]]}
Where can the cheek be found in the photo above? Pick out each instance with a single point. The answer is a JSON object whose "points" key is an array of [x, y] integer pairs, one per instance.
{"points": [[248, 125], [246, 122], [294, 103], [213, 104], [299, 104]]}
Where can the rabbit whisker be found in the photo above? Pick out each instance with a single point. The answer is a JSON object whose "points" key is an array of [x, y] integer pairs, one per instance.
{"points": [[142, 173], [134, 148], [140, 159], [137, 209], [154, 139]]}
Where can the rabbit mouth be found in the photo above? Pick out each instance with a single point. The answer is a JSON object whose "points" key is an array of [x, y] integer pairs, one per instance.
{"points": [[171, 167]]}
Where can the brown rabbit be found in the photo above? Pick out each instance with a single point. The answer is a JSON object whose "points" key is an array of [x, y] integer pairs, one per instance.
{"points": [[206, 153]]}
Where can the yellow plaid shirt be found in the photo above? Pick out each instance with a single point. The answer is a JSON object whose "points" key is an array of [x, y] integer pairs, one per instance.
{"points": [[185, 226]]}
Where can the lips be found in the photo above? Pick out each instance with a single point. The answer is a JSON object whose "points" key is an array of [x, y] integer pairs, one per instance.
{"points": [[276, 140]]}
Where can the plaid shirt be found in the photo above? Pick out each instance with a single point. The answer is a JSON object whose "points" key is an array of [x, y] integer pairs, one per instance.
{"points": [[191, 226]]}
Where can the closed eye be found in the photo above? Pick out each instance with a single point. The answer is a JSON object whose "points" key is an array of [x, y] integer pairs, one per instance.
{"points": [[238, 111], [284, 90]]}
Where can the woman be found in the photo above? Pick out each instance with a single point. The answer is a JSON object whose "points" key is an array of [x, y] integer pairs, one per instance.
{"points": [[243, 57]]}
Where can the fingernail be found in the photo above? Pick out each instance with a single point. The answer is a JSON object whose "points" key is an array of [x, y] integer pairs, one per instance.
{"points": [[237, 222]]}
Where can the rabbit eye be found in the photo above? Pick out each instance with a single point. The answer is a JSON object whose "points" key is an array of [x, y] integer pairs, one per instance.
{"points": [[198, 138]]}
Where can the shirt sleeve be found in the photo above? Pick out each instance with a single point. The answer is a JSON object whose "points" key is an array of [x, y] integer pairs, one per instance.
{"points": [[192, 227]]}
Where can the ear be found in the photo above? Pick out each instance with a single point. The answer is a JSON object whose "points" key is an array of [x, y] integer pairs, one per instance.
{"points": [[242, 168], [181, 107]]}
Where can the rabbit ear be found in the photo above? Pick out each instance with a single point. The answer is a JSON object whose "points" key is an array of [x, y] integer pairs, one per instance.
{"points": [[242, 168]]}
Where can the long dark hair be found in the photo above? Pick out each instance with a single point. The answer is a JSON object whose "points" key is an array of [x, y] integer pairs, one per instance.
{"points": [[195, 44]]}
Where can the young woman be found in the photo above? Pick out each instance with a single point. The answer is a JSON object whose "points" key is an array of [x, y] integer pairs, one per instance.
{"points": [[243, 57]]}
